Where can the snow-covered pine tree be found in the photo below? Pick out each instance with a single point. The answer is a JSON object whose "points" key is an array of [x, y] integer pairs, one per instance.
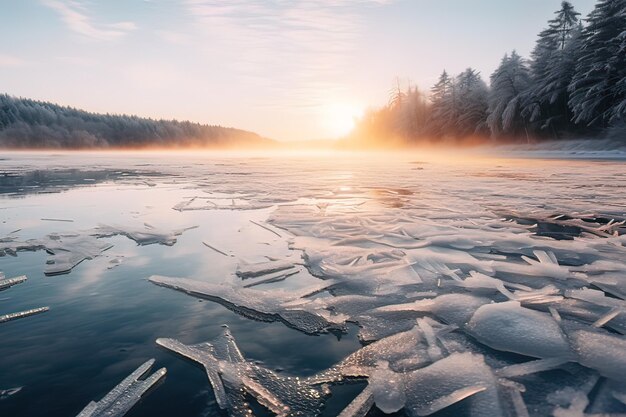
{"points": [[509, 83], [596, 91], [471, 96], [619, 111], [398, 103], [552, 68], [561, 26], [416, 113], [440, 98]]}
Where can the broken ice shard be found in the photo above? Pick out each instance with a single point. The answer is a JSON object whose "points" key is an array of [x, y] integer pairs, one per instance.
{"points": [[246, 270], [125, 395], [6, 393], [22, 314], [145, 236], [232, 376], [66, 250], [360, 406], [510, 327], [70, 250], [530, 367], [6, 283], [603, 352], [450, 380], [203, 354], [388, 388], [261, 305]]}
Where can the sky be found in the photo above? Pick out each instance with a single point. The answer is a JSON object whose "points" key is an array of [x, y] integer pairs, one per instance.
{"points": [[286, 69]]}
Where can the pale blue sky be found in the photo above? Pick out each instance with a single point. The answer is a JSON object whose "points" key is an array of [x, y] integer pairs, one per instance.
{"points": [[287, 69]]}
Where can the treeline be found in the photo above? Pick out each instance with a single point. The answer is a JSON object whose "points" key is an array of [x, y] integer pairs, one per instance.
{"points": [[28, 123], [573, 85]]}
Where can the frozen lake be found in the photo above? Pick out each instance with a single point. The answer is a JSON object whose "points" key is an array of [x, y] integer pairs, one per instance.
{"points": [[480, 286]]}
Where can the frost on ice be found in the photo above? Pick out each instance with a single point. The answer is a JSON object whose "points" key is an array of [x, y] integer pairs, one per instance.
{"points": [[126, 394]]}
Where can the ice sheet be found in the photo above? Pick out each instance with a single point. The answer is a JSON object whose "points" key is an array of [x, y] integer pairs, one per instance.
{"points": [[458, 275]]}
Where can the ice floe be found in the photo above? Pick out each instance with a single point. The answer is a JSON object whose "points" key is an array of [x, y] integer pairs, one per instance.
{"points": [[6, 283], [22, 314], [259, 304], [67, 250], [143, 236], [6, 393], [233, 377], [126, 394]]}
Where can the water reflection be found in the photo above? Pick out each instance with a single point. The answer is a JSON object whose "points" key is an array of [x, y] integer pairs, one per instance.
{"points": [[19, 183]]}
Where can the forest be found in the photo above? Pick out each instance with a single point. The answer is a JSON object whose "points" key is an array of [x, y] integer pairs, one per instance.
{"points": [[26, 123], [572, 86]]}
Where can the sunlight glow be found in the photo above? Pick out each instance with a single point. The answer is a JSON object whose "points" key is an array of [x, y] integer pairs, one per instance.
{"points": [[340, 118]]}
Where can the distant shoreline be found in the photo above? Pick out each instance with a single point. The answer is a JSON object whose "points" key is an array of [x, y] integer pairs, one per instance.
{"points": [[561, 150]]}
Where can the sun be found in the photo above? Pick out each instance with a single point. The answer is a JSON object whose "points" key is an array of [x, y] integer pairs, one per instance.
{"points": [[340, 118]]}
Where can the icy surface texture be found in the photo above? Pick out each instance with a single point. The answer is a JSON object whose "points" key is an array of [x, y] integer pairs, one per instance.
{"points": [[480, 288], [467, 286], [509, 327], [126, 394], [420, 392]]}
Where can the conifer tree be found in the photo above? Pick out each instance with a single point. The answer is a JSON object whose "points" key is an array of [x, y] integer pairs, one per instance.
{"points": [[509, 83], [596, 90]]}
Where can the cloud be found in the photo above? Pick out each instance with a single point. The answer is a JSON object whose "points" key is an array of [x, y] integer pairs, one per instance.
{"points": [[307, 44], [151, 75], [75, 17], [11, 61], [172, 37], [77, 61]]}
